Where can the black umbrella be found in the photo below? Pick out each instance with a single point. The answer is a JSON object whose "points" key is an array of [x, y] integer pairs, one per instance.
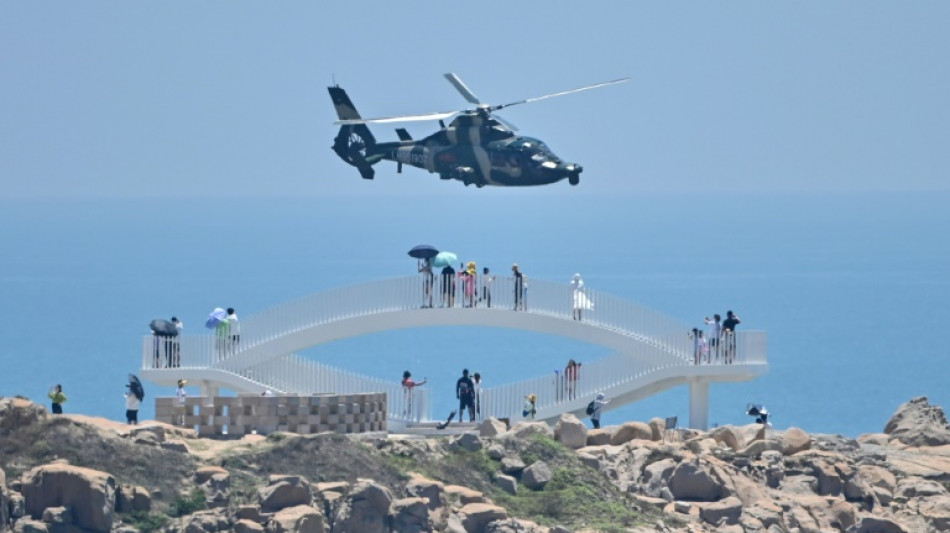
{"points": [[423, 251], [135, 387], [163, 328]]}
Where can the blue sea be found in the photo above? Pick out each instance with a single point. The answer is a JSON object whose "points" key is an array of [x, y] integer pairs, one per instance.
{"points": [[852, 288]]}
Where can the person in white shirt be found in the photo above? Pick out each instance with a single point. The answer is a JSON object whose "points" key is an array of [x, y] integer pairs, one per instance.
{"points": [[132, 404], [181, 395], [234, 330]]}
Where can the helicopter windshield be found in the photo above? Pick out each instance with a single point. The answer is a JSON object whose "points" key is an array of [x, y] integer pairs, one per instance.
{"points": [[537, 151]]}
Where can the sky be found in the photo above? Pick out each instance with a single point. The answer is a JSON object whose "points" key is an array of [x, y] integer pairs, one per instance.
{"points": [[220, 99]]}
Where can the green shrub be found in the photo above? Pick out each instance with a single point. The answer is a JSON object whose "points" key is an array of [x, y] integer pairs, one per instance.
{"points": [[185, 505], [145, 521]]}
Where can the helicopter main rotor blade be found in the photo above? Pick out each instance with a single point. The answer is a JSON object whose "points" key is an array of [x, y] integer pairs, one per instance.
{"points": [[462, 88], [562, 93], [398, 118]]}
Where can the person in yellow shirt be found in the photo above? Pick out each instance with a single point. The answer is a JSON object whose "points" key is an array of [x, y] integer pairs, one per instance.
{"points": [[58, 398]]}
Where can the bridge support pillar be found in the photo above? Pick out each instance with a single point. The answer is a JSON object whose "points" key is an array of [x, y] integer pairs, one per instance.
{"points": [[209, 390], [699, 405]]}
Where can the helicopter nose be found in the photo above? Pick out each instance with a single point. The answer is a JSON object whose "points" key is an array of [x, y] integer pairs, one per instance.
{"points": [[573, 168]]}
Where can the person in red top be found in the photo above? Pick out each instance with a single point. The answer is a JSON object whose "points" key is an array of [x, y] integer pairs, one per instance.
{"points": [[407, 385], [572, 372]]}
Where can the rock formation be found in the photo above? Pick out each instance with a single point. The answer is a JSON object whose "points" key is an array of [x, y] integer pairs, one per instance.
{"points": [[532, 478]]}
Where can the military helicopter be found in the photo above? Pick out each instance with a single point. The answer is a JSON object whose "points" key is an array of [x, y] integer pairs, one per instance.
{"points": [[476, 148]]}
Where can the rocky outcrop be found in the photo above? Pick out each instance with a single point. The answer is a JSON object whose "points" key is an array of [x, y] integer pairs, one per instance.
{"points": [[366, 509], [285, 491], [917, 423], [88, 494], [731, 479]]}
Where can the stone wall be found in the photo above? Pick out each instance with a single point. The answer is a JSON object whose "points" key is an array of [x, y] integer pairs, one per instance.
{"points": [[241, 415]]}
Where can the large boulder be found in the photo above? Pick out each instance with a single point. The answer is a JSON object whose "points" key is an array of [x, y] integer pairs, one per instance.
{"points": [[795, 440], [16, 413], [297, 519], [411, 515], [491, 427], [215, 482], [598, 437], [476, 516], [723, 512], [570, 432], [469, 442], [130, 498], [729, 436], [89, 493], [366, 509], [876, 524], [524, 430], [917, 423], [431, 491], [285, 491], [629, 431], [690, 481], [536, 476]]}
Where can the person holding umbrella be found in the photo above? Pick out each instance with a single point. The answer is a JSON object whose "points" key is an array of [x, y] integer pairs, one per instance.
{"points": [[424, 254], [133, 399]]}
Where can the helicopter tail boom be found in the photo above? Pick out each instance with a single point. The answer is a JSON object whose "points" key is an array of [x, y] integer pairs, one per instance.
{"points": [[355, 141]]}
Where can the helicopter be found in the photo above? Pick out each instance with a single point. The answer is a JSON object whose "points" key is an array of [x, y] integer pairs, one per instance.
{"points": [[477, 147]]}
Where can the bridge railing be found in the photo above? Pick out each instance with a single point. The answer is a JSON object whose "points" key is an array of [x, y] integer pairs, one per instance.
{"points": [[539, 297], [555, 389]]}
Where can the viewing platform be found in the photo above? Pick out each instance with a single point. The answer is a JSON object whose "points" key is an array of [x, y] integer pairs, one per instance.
{"points": [[651, 352]]}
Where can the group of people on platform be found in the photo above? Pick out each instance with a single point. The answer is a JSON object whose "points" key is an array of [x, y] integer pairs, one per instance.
{"points": [[477, 290], [719, 339]]}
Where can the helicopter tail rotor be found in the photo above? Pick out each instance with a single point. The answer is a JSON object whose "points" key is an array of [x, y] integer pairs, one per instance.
{"points": [[353, 142]]}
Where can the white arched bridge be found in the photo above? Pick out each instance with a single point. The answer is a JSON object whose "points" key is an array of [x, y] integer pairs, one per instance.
{"points": [[651, 352]]}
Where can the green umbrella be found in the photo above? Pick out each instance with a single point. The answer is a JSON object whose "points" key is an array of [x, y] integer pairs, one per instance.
{"points": [[444, 259]]}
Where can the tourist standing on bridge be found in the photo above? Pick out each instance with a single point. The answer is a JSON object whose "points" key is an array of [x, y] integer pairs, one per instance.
{"points": [[519, 287], [477, 382], [234, 330], [465, 392], [580, 297], [713, 333], [487, 280], [729, 334], [572, 373], [471, 280], [425, 267], [448, 286], [596, 409], [407, 385]]}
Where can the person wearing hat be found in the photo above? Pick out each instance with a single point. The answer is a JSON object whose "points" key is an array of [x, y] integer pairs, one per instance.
{"points": [[181, 395], [598, 405], [519, 287], [530, 406]]}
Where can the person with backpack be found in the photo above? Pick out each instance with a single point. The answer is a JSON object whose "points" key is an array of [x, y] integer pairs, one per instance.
{"points": [[594, 409], [465, 392]]}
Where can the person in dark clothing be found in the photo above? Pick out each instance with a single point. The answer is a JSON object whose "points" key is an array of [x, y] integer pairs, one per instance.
{"points": [[448, 286], [519, 287], [729, 335], [465, 392]]}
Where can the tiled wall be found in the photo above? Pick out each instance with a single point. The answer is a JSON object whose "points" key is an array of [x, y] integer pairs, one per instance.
{"points": [[241, 415]]}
